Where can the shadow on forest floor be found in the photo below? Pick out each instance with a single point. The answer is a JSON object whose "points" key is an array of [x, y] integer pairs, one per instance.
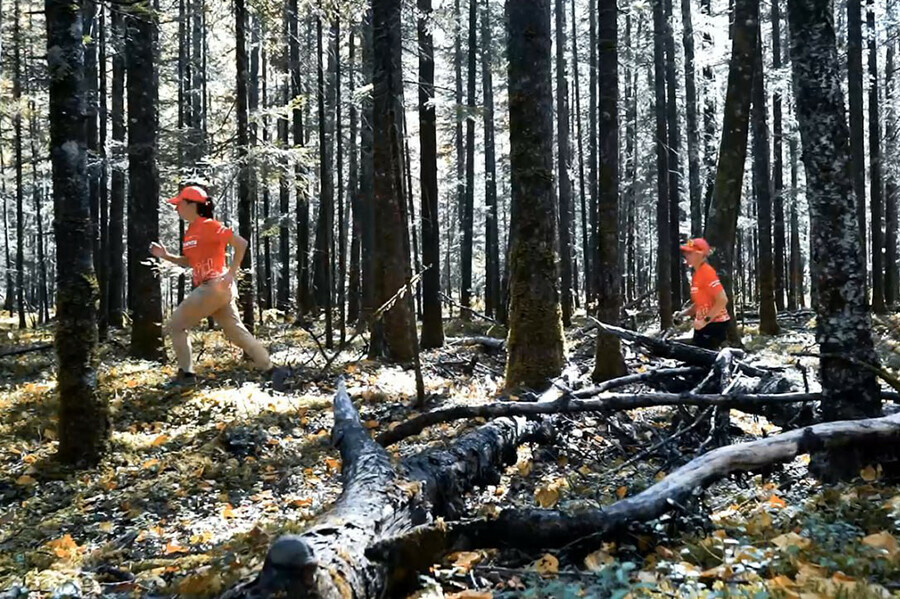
{"points": [[196, 486]]}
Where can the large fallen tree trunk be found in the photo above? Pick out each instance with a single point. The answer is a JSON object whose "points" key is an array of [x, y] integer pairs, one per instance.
{"points": [[381, 499], [534, 529]]}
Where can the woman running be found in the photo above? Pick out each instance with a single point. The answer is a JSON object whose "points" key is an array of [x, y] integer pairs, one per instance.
{"points": [[215, 292], [708, 299]]}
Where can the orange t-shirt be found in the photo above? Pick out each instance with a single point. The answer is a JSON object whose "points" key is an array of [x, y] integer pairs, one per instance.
{"points": [[204, 247], [705, 286]]}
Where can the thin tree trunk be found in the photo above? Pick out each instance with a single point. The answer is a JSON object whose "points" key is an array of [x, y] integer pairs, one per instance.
{"points": [[301, 187], [492, 244], [586, 257], [608, 360], [891, 283], [432, 325], [284, 188], [763, 191], [353, 292], [535, 343], [143, 216], [458, 139], [778, 165], [562, 157], [843, 326], [673, 141], [875, 168], [591, 284], [103, 317], [325, 225], [9, 300], [247, 291], [693, 132], [342, 217], [469, 201], [721, 225], [855, 93], [84, 426], [89, 27], [366, 192], [117, 188], [17, 149], [709, 118], [664, 259]]}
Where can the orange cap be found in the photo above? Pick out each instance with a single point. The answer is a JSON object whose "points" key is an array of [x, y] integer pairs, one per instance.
{"points": [[697, 244], [191, 193]]}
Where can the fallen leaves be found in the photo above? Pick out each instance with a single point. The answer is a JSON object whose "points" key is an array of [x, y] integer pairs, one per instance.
{"points": [[882, 540], [548, 495], [546, 566], [25, 481], [64, 547], [598, 560], [791, 539]]}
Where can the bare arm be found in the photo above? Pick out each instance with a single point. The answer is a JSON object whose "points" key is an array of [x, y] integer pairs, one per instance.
{"points": [[240, 246], [159, 251]]}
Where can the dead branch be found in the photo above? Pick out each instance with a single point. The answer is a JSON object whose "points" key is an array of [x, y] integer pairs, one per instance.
{"points": [[602, 402], [24, 350], [543, 529]]}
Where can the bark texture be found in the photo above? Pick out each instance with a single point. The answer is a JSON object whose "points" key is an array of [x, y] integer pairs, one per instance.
{"points": [[843, 325]]}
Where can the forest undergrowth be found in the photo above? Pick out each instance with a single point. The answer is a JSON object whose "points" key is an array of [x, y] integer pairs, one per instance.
{"points": [[197, 484]]}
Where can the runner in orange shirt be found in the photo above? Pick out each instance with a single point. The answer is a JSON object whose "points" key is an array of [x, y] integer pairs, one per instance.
{"points": [[215, 292], [708, 299]]}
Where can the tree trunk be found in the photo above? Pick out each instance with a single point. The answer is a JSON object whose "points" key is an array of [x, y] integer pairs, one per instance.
{"points": [[263, 265], [778, 165], [469, 205], [366, 193], [492, 245], [709, 118], [89, 18], [763, 191], [586, 258], [17, 149], [796, 255], [432, 324], [392, 267], [143, 217], [353, 291], [563, 163], [117, 188], [693, 132], [855, 92], [246, 286], [535, 344], [300, 172], [325, 225], [284, 187], [842, 316], [103, 317], [591, 284], [875, 168], [891, 283], [721, 225], [458, 139], [673, 142], [342, 224], [663, 206], [36, 196], [84, 426], [608, 360]]}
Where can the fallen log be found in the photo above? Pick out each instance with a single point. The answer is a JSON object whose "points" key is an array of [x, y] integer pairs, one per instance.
{"points": [[488, 342], [676, 350], [24, 350], [539, 529], [381, 499], [602, 402]]}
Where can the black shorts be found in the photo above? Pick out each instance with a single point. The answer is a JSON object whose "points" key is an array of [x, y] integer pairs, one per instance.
{"points": [[712, 336]]}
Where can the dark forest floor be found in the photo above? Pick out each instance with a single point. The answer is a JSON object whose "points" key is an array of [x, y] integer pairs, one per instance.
{"points": [[197, 485]]}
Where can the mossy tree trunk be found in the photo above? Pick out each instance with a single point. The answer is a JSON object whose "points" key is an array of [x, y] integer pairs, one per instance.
{"points": [[84, 427], [392, 266], [608, 362], [535, 344], [843, 325]]}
